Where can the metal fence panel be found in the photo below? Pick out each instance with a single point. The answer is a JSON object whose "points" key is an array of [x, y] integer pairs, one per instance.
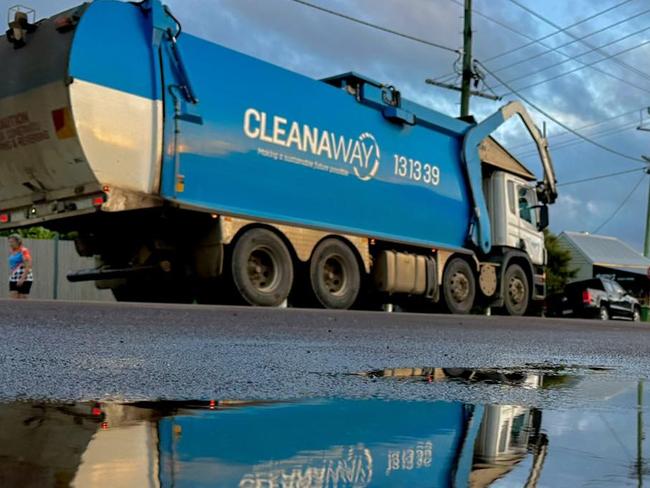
{"points": [[43, 254]]}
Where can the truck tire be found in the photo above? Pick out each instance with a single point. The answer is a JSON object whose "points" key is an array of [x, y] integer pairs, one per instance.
{"points": [[334, 274], [458, 287], [262, 268], [516, 291]]}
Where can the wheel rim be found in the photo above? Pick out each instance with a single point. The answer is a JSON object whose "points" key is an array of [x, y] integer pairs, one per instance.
{"points": [[333, 275], [516, 291], [637, 316], [604, 315], [459, 287], [262, 269]]}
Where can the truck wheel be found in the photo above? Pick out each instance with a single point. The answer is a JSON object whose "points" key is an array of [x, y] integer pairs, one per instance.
{"points": [[458, 286], [517, 290], [334, 274], [604, 313], [636, 315], [262, 268]]}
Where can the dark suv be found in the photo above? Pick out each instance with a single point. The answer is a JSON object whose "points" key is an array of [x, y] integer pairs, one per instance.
{"points": [[600, 297]]}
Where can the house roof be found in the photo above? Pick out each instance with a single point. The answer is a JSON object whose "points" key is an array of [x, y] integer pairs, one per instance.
{"points": [[607, 251], [494, 154]]}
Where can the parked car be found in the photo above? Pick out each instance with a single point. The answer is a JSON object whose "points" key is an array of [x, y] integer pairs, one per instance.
{"points": [[601, 298]]}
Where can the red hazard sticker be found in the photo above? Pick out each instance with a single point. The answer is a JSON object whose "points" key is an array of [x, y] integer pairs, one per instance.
{"points": [[63, 125]]}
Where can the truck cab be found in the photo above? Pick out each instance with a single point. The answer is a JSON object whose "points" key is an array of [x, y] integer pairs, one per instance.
{"points": [[517, 216]]}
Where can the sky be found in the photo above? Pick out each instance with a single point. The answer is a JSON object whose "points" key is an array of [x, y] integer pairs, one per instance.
{"points": [[318, 44]]}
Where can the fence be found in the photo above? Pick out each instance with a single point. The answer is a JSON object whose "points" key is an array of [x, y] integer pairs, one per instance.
{"points": [[53, 260]]}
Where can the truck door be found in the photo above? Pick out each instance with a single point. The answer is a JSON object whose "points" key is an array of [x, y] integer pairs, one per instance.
{"points": [[529, 234], [513, 232]]}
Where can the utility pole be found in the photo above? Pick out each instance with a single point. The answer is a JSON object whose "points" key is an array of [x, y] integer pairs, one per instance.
{"points": [[646, 242], [468, 74], [639, 434]]}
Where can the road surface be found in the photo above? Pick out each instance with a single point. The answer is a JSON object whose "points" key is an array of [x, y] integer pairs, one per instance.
{"points": [[84, 351]]}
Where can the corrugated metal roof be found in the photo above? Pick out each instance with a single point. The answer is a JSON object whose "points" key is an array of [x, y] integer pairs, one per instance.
{"points": [[607, 251]]}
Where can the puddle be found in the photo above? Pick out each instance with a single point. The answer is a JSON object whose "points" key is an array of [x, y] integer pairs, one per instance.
{"points": [[338, 442]]}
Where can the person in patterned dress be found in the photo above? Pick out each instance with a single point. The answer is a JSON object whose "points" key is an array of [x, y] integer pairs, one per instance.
{"points": [[20, 268]]}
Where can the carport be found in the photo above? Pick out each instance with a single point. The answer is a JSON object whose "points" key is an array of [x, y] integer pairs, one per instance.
{"points": [[594, 255]]}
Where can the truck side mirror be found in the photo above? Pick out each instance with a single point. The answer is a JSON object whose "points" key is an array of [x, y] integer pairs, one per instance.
{"points": [[542, 222]]}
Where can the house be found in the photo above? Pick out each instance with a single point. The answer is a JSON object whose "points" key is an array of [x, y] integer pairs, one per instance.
{"points": [[593, 255]]}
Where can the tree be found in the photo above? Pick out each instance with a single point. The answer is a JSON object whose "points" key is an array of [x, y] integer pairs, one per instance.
{"points": [[558, 271], [39, 233]]}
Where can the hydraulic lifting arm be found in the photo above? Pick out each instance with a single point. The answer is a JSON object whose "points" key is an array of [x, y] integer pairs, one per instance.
{"points": [[546, 189]]}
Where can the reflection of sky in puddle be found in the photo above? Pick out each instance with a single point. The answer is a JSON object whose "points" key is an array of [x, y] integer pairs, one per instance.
{"points": [[330, 442]]}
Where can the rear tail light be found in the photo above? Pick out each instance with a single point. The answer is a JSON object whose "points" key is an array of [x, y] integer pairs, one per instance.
{"points": [[4, 218], [99, 200], [66, 24], [586, 297]]}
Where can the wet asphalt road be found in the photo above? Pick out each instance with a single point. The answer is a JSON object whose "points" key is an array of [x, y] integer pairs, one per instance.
{"points": [[84, 351]]}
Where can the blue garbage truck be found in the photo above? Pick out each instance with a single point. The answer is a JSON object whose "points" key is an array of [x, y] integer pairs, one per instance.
{"points": [[194, 172], [350, 443]]}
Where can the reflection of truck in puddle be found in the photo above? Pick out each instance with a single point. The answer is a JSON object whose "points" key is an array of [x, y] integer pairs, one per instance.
{"points": [[349, 443], [319, 443]]}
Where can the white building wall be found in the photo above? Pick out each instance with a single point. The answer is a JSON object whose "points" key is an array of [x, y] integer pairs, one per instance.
{"points": [[578, 260]]}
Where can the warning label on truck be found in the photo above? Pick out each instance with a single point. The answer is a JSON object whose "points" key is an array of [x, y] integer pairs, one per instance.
{"points": [[18, 130]]}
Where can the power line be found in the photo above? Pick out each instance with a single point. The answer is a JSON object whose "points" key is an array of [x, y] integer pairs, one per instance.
{"points": [[377, 27], [574, 58], [561, 124], [591, 34], [602, 53], [601, 177], [559, 30], [570, 143], [547, 46], [588, 126], [530, 38], [618, 209], [565, 144], [560, 75]]}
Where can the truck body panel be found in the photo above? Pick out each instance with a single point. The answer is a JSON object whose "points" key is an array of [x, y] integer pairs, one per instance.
{"points": [[320, 160]]}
